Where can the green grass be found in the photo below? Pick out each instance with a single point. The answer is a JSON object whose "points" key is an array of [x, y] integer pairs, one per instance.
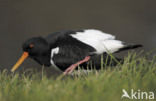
{"points": [[105, 85]]}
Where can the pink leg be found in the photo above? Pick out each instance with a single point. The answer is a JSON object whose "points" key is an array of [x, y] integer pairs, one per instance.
{"points": [[73, 66]]}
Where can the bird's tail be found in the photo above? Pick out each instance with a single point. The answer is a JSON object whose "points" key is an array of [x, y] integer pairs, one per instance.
{"points": [[131, 46]]}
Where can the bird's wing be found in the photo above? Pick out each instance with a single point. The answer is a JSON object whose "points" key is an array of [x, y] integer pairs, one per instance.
{"points": [[101, 41]]}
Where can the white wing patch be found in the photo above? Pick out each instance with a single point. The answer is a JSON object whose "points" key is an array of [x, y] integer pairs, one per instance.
{"points": [[99, 40], [54, 51]]}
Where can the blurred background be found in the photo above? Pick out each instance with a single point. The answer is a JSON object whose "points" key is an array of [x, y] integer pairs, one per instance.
{"points": [[130, 20]]}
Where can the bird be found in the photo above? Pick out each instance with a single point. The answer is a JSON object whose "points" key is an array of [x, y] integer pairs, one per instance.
{"points": [[68, 49]]}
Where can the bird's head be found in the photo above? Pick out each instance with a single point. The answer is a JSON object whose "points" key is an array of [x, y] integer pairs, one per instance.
{"points": [[36, 48]]}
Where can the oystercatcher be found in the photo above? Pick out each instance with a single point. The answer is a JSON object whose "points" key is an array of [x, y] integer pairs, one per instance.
{"points": [[67, 49]]}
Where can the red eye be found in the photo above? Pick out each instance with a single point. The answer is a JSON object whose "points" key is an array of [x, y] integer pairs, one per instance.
{"points": [[31, 45]]}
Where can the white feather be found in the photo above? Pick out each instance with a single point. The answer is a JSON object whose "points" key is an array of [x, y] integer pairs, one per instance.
{"points": [[100, 41], [54, 51]]}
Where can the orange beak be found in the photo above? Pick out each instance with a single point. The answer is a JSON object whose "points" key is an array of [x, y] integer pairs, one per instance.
{"points": [[20, 61]]}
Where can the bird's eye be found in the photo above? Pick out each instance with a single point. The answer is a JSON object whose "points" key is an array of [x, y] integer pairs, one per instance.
{"points": [[31, 45]]}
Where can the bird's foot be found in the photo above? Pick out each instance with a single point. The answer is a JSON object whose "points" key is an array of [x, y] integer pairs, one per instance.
{"points": [[73, 66]]}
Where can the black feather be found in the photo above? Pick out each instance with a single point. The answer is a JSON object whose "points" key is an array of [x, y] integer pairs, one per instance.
{"points": [[131, 46]]}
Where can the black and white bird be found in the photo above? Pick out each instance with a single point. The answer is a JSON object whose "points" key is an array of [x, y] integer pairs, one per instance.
{"points": [[66, 50]]}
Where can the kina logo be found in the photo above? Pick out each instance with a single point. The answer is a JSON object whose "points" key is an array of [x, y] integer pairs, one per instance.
{"points": [[137, 94]]}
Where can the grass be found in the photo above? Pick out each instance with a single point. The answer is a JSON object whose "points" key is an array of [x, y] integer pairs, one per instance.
{"points": [[104, 85]]}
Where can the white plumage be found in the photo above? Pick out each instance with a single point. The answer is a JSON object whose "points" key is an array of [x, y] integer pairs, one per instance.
{"points": [[53, 52], [100, 41]]}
